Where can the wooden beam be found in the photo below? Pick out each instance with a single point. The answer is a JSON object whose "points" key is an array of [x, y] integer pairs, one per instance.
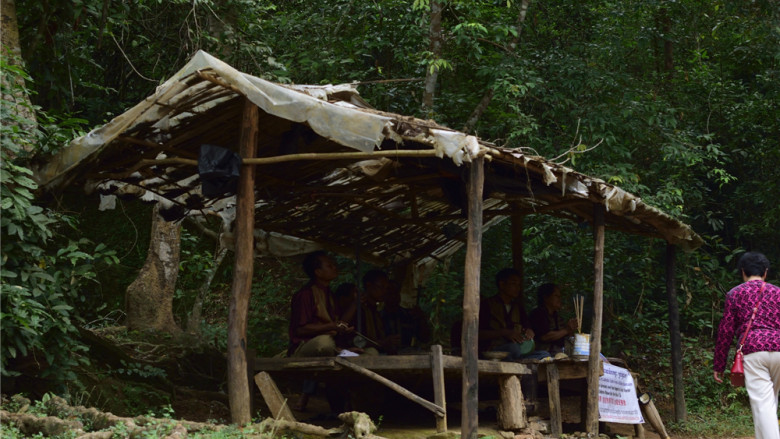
{"points": [[469, 420], [439, 397], [680, 414], [341, 156], [594, 362], [276, 402], [238, 382], [436, 409]]}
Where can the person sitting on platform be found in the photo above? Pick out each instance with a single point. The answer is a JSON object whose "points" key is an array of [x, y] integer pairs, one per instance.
{"points": [[315, 322], [410, 323], [315, 318], [503, 322], [550, 332], [375, 286]]}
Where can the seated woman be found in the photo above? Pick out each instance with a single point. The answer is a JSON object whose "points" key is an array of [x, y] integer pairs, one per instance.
{"points": [[549, 332]]}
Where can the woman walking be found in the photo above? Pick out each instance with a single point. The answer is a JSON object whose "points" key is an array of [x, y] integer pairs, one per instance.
{"points": [[759, 301]]}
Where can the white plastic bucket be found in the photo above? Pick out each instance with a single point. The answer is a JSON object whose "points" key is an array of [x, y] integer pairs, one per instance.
{"points": [[581, 345]]}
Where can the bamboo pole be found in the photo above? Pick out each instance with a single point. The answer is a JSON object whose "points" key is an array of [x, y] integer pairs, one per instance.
{"points": [[238, 382], [469, 420], [674, 333], [594, 362]]}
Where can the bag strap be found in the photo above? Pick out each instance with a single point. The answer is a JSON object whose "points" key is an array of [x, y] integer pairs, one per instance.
{"points": [[750, 323]]}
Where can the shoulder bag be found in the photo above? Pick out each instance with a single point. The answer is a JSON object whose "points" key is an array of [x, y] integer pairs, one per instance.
{"points": [[737, 375]]}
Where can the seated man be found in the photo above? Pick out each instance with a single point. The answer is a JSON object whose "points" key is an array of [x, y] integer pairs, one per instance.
{"points": [[550, 332], [503, 322], [315, 318], [375, 286], [410, 323], [315, 323]]}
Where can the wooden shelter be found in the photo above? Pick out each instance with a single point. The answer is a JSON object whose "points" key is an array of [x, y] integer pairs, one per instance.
{"points": [[321, 169]]}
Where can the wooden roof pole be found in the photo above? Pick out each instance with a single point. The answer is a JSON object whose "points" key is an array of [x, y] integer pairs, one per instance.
{"points": [[238, 379], [517, 243], [674, 332], [469, 421], [594, 360]]}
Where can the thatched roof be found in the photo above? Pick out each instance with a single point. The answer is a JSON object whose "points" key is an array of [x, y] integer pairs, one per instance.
{"points": [[390, 209]]}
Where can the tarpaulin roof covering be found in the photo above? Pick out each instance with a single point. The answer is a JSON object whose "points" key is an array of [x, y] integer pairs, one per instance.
{"points": [[392, 210]]}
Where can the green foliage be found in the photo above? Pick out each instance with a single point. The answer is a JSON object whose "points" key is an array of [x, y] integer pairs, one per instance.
{"points": [[43, 275]]}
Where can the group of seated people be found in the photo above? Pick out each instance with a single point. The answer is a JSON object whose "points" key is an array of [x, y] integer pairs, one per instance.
{"points": [[505, 326], [323, 322]]}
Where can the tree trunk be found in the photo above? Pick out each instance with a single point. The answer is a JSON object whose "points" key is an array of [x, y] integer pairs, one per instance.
{"points": [[12, 52], [432, 72], [488, 96], [149, 299]]}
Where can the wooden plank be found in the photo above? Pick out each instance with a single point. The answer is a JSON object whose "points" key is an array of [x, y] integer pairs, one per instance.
{"points": [[276, 403], [594, 361], [469, 419], [554, 395], [439, 397], [568, 370], [386, 363], [437, 410], [238, 381], [680, 414], [511, 409]]}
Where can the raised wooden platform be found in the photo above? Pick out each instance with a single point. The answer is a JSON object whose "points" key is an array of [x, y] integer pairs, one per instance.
{"points": [[390, 369]]}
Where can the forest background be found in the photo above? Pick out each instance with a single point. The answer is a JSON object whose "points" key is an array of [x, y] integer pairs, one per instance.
{"points": [[681, 98]]}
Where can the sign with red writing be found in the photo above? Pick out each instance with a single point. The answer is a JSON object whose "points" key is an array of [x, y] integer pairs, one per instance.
{"points": [[617, 397]]}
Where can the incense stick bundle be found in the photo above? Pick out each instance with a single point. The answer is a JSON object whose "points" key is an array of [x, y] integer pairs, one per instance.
{"points": [[579, 305]]}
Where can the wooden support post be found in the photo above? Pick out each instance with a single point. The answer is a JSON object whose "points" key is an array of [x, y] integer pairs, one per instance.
{"points": [[439, 397], [594, 362], [274, 399], [517, 243], [554, 395], [511, 409], [469, 420], [674, 332], [238, 381]]}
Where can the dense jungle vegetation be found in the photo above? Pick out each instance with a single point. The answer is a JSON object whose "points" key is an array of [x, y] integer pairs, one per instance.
{"points": [[682, 98]]}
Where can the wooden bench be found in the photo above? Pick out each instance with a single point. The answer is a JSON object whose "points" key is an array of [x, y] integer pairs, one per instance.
{"points": [[379, 368]]}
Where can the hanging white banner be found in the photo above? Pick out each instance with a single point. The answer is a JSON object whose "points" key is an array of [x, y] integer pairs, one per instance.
{"points": [[617, 397]]}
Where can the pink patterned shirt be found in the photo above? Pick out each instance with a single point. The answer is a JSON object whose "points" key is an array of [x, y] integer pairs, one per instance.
{"points": [[764, 334]]}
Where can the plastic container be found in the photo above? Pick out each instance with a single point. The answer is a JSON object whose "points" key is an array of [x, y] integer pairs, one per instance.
{"points": [[581, 346]]}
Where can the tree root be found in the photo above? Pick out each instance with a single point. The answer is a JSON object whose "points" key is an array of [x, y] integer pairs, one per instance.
{"points": [[90, 423]]}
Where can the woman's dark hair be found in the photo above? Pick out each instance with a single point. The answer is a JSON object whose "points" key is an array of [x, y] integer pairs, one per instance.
{"points": [[505, 274], [312, 262], [545, 291], [753, 264]]}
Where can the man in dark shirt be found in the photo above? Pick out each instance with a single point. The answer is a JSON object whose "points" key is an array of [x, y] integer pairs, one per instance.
{"points": [[550, 331], [503, 322]]}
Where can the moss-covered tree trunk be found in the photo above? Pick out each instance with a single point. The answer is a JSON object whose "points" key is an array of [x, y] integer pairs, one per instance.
{"points": [[149, 298]]}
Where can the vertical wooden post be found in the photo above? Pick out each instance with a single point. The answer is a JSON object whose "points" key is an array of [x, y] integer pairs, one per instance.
{"points": [[594, 362], [674, 331], [238, 383], [439, 397], [469, 421], [554, 398], [517, 244]]}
